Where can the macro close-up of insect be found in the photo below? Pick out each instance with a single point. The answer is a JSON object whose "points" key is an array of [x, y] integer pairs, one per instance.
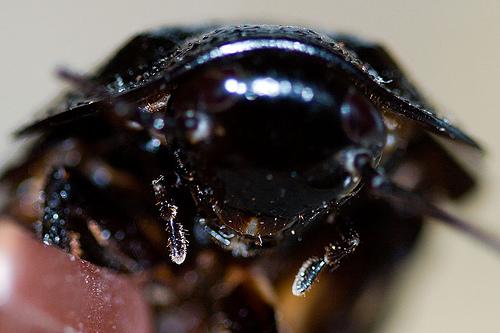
{"points": [[243, 178]]}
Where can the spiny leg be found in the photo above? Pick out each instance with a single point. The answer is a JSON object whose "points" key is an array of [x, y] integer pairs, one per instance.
{"points": [[67, 224], [54, 224], [334, 253], [177, 242]]}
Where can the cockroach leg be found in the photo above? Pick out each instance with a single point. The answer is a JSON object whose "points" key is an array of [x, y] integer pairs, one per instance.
{"points": [[334, 253], [67, 225], [177, 241], [55, 222]]}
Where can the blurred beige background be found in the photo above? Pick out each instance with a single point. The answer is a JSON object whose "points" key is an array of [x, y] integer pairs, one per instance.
{"points": [[450, 48]]}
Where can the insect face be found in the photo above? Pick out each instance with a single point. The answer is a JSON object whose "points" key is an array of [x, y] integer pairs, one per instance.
{"points": [[266, 136]]}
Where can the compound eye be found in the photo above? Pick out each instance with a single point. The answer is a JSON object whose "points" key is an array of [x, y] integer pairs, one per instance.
{"points": [[362, 122], [263, 132]]}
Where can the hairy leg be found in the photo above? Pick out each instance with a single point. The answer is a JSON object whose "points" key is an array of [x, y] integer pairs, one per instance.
{"points": [[67, 223], [177, 242], [334, 253]]}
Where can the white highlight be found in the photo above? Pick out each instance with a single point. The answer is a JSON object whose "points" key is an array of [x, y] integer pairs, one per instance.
{"points": [[6, 278], [234, 86], [266, 87], [231, 85]]}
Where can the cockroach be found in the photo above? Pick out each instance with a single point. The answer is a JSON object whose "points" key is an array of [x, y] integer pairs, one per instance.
{"points": [[229, 166]]}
